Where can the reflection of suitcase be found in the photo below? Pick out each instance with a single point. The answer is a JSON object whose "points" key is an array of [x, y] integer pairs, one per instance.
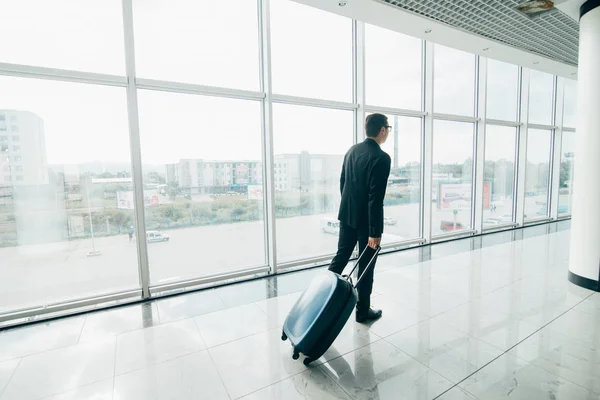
{"points": [[321, 312]]}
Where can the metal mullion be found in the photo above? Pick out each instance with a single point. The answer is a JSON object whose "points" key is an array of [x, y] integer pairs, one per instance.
{"points": [[55, 74], [499, 227], [311, 102], [542, 127], [521, 160], [479, 148], [68, 305], [498, 122], [359, 85], [267, 134], [464, 232], [195, 282], [456, 118], [427, 142], [554, 181], [135, 146], [189, 88], [396, 111]]}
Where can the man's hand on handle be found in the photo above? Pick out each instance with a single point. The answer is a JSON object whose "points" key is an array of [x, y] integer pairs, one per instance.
{"points": [[374, 242]]}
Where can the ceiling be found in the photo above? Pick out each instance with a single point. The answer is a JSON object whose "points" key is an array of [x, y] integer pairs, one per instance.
{"points": [[490, 28], [551, 34]]}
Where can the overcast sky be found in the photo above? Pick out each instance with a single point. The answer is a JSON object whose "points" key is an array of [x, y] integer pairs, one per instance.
{"points": [[216, 43]]}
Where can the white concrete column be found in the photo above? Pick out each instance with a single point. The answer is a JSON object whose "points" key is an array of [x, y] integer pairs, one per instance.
{"points": [[584, 265]]}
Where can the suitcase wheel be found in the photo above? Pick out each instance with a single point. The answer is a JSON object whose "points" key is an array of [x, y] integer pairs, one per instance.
{"points": [[283, 336], [296, 355], [307, 361]]}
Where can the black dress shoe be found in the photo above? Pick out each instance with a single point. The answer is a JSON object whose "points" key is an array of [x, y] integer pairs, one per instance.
{"points": [[370, 315]]}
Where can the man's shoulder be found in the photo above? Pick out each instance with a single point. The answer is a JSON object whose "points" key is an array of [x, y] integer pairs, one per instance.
{"points": [[384, 156]]}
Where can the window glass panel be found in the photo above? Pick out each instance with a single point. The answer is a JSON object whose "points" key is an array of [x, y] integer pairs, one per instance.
{"points": [[537, 179], [203, 184], [452, 176], [393, 69], [454, 82], [313, 60], [62, 234], [403, 194], [570, 107], [499, 175], [78, 35], [541, 93], [206, 42], [567, 162], [309, 144], [502, 90]]}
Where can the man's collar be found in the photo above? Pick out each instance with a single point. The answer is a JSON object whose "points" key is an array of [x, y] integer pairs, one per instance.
{"points": [[368, 139]]}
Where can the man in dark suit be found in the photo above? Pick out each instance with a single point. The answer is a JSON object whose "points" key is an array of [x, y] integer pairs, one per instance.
{"points": [[363, 183]]}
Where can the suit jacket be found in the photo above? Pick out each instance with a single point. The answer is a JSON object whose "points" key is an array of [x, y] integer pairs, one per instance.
{"points": [[363, 183]]}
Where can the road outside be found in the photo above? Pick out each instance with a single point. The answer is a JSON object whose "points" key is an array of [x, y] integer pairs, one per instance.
{"points": [[41, 274]]}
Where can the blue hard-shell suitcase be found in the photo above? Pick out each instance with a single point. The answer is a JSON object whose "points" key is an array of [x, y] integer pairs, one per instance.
{"points": [[321, 312]]}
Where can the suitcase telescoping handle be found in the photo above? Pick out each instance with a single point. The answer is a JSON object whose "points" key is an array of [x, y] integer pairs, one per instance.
{"points": [[371, 262]]}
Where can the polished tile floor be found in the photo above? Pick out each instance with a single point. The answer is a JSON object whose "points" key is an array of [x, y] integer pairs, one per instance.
{"points": [[483, 318]]}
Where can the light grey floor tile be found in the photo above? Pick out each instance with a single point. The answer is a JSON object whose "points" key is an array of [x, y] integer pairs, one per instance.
{"points": [[590, 305], [313, 384], [449, 352], [500, 330], [255, 362], [277, 308], [578, 325], [233, 323], [41, 337], [7, 369], [102, 390], [188, 305], [353, 336], [144, 347], [245, 293], [566, 357], [106, 324], [381, 371], [509, 377], [58, 371], [507, 335], [456, 393], [192, 377], [396, 316]]}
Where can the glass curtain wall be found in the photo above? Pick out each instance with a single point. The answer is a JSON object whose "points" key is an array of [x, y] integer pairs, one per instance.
{"points": [[394, 80], [567, 162], [500, 152], [70, 142], [537, 178], [452, 176], [309, 142], [499, 175]]}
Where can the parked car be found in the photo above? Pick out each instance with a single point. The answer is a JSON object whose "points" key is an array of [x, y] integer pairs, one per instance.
{"points": [[155, 236], [448, 226], [389, 221], [330, 225]]}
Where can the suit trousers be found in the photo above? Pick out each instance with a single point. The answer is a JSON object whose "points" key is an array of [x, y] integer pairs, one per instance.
{"points": [[346, 244]]}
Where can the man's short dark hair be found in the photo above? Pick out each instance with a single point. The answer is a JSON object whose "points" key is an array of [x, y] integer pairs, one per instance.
{"points": [[374, 123]]}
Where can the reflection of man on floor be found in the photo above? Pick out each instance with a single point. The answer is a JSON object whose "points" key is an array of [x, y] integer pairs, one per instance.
{"points": [[363, 379], [363, 184]]}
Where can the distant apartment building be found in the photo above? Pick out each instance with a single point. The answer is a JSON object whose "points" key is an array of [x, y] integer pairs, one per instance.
{"points": [[37, 206], [205, 176], [292, 172], [304, 171], [22, 149]]}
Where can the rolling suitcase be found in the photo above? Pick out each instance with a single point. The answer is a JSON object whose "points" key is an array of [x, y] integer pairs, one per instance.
{"points": [[321, 312]]}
